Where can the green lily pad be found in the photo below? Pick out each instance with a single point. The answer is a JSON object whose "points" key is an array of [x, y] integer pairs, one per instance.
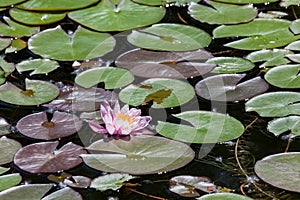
{"points": [[207, 127], [228, 65], [65, 194], [284, 76], [3, 170], [281, 125], [13, 29], [111, 76], [16, 45], [275, 104], [287, 3], [269, 57], [228, 87], [294, 57], [295, 26], [8, 148], [35, 18], [223, 196], [5, 127], [221, 13], [9, 180], [26, 192], [55, 5], [5, 3], [141, 155], [112, 16], [294, 46], [4, 42], [262, 34], [163, 92], [5, 70], [83, 44], [170, 37], [36, 93], [280, 170], [247, 1], [110, 181], [37, 66], [272, 14], [164, 2]]}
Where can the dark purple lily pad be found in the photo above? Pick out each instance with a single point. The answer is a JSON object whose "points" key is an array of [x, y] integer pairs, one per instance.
{"points": [[164, 64], [45, 158], [37, 126], [80, 99], [227, 87]]}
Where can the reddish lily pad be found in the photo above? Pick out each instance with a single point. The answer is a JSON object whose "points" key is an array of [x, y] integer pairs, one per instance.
{"points": [[45, 158], [80, 99], [37, 126], [227, 87], [72, 181], [8, 148], [153, 64]]}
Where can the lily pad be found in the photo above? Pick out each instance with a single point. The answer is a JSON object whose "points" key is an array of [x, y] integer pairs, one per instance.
{"points": [[5, 3], [37, 92], [227, 87], [35, 18], [45, 158], [295, 26], [294, 46], [221, 13], [26, 192], [163, 92], [8, 148], [13, 29], [141, 155], [4, 42], [275, 104], [5, 70], [65, 194], [284, 76], [9, 180], [228, 65], [78, 181], [170, 37], [287, 3], [5, 127], [262, 34], [282, 125], [80, 99], [16, 45], [37, 125], [187, 186], [37, 66], [164, 2], [269, 57], [83, 44], [111, 76], [3, 170], [56, 5], [112, 16], [223, 196], [280, 170], [110, 181], [207, 127], [247, 1], [153, 64]]}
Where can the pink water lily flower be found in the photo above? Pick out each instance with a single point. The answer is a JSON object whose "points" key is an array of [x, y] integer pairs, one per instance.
{"points": [[118, 121]]}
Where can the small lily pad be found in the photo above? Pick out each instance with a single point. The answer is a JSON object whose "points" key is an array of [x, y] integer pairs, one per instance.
{"points": [[37, 66], [5, 127], [83, 44], [287, 3], [3, 170], [170, 37], [37, 92], [78, 181], [247, 1], [223, 196], [45, 158], [163, 92], [16, 45], [13, 29], [164, 2], [221, 13], [284, 124], [141, 155], [35, 18], [269, 57], [26, 192], [153, 64], [228, 65], [284, 76], [37, 125], [9, 180], [294, 46], [110, 181], [5, 70], [280, 170], [117, 15], [111, 76], [275, 104], [227, 87], [207, 127], [4, 42], [8, 148], [5, 3], [65, 194]]}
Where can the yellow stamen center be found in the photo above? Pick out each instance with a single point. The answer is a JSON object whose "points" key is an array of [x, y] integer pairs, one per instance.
{"points": [[125, 117]]}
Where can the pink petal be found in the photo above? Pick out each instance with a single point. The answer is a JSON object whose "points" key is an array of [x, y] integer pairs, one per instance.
{"points": [[134, 112], [111, 129], [143, 122], [125, 109], [116, 107], [96, 127]]}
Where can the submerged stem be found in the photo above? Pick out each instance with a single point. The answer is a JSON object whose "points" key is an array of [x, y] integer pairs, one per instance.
{"points": [[144, 194]]}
